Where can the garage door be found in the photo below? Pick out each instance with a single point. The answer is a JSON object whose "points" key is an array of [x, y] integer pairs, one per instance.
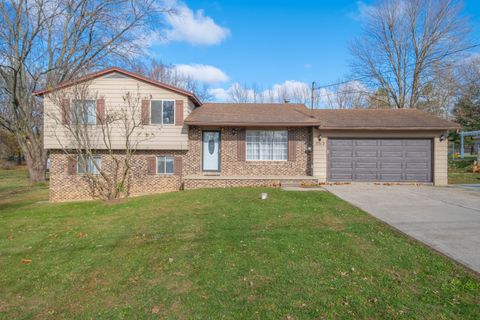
{"points": [[391, 160]]}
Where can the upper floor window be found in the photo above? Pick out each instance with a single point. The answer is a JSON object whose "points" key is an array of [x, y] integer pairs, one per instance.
{"points": [[84, 112], [89, 165], [267, 145], [162, 112]]}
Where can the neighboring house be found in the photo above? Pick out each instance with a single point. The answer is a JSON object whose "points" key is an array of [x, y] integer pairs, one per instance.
{"points": [[197, 145]]}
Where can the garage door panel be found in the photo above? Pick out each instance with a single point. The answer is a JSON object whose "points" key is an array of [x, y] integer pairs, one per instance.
{"points": [[379, 160], [366, 143], [391, 142], [341, 176], [391, 154], [391, 165], [391, 177], [341, 153], [417, 142], [342, 165], [366, 176], [368, 165], [417, 154], [366, 153], [417, 165], [341, 142]]}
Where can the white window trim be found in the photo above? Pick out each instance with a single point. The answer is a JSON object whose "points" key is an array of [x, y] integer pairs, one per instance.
{"points": [[246, 148], [72, 105], [164, 173], [93, 157], [174, 113]]}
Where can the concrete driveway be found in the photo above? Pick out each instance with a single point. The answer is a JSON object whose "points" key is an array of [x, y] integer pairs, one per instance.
{"points": [[445, 218]]}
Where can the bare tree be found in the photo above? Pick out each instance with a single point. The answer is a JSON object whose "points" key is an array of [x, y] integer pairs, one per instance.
{"points": [[46, 42], [347, 95], [168, 74], [102, 153], [404, 41], [240, 93]]}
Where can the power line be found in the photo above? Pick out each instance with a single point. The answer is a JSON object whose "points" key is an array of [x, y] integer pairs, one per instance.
{"points": [[409, 65]]}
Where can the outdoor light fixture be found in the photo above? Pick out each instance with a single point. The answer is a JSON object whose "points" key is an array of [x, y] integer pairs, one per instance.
{"points": [[319, 137], [443, 137]]}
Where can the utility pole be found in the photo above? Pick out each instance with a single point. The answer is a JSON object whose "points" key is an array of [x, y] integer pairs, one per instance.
{"points": [[313, 93]]}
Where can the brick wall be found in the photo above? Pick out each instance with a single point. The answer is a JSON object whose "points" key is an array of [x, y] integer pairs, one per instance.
{"points": [[65, 187], [232, 166]]}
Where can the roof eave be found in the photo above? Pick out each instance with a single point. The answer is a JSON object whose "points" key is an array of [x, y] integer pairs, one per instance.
{"points": [[250, 124], [138, 77], [392, 128]]}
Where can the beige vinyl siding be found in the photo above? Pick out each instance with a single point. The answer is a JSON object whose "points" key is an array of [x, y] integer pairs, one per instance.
{"points": [[439, 149], [440, 161], [171, 137]]}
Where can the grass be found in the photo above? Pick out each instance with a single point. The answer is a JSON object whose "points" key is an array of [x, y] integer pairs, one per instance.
{"points": [[460, 171], [219, 253]]}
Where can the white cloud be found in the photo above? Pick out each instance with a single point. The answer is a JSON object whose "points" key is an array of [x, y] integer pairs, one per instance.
{"points": [[362, 12], [193, 27], [295, 92], [219, 94], [291, 90], [201, 72]]}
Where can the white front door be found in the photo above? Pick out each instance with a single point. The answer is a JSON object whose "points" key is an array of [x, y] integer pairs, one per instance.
{"points": [[211, 151]]}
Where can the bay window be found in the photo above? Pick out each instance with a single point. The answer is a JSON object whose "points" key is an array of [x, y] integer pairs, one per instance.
{"points": [[267, 145]]}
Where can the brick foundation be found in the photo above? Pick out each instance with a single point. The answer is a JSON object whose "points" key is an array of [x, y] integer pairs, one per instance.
{"points": [[65, 187], [230, 183]]}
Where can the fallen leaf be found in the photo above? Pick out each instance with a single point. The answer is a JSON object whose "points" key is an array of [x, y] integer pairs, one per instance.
{"points": [[156, 310], [81, 235], [26, 261]]}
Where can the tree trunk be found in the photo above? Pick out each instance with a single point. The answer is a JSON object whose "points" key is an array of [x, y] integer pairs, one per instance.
{"points": [[35, 158]]}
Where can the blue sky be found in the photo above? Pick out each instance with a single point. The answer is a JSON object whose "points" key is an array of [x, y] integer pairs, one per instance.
{"points": [[267, 42]]}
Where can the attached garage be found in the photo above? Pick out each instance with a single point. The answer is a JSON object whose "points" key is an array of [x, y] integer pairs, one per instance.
{"points": [[384, 160], [380, 146]]}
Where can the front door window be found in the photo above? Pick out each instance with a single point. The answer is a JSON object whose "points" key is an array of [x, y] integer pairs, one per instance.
{"points": [[211, 150]]}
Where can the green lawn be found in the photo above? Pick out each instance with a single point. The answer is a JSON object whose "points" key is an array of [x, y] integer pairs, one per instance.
{"points": [[460, 172], [221, 253]]}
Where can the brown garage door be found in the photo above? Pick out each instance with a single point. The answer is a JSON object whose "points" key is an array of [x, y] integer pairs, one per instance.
{"points": [[391, 160]]}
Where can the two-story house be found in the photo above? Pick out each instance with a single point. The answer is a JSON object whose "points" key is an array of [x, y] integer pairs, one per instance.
{"points": [[188, 144]]}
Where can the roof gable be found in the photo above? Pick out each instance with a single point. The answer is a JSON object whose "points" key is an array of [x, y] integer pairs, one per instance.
{"points": [[116, 72]]}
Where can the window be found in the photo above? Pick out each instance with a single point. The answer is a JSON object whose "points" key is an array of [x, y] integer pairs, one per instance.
{"points": [[87, 164], [162, 112], [84, 112], [164, 165], [267, 145]]}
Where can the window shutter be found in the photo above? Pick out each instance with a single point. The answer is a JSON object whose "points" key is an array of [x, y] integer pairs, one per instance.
{"points": [[178, 166], [241, 148], [100, 111], [179, 112], [151, 165], [292, 145], [72, 166], [145, 112], [65, 111]]}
